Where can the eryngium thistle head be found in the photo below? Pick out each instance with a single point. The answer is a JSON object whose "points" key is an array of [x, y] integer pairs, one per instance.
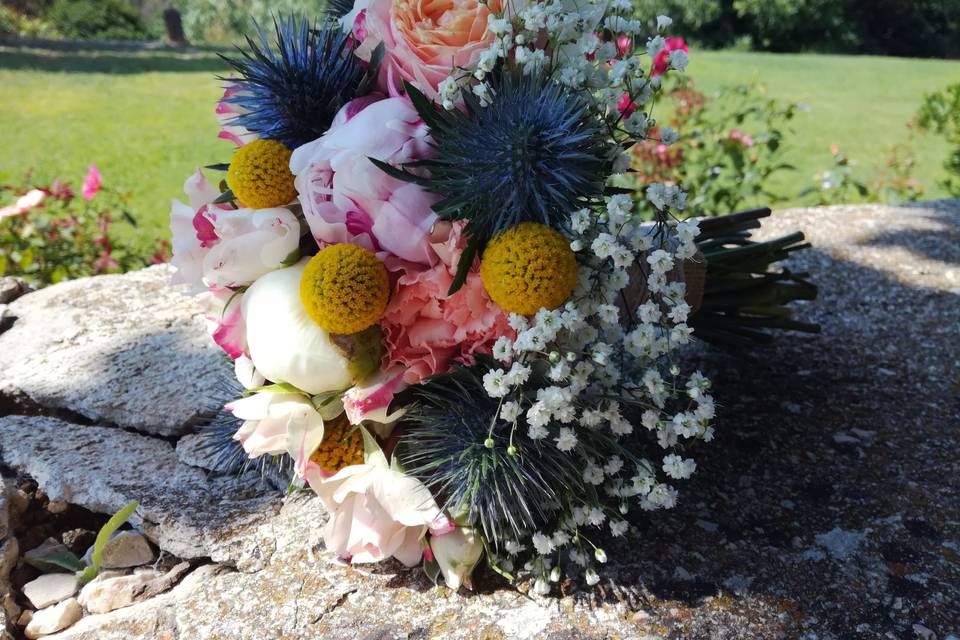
{"points": [[292, 93], [536, 153], [508, 494]]}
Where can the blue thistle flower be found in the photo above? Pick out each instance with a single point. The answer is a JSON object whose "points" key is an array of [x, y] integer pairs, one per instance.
{"points": [[292, 94], [536, 153], [509, 489]]}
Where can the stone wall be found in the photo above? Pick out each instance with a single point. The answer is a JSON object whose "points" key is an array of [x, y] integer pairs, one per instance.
{"points": [[828, 506]]}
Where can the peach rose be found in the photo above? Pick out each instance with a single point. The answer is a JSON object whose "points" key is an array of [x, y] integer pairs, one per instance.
{"points": [[424, 39]]}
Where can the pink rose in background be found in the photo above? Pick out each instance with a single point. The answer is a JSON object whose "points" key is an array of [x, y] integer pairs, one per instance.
{"points": [[427, 331], [91, 183], [346, 198], [662, 61], [741, 137], [24, 203], [424, 39]]}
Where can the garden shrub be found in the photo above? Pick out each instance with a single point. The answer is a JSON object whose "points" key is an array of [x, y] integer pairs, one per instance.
{"points": [[921, 28], [224, 20], [730, 150], [97, 19], [940, 113], [49, 233]]}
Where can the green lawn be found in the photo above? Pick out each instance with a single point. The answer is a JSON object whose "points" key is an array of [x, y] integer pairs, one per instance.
{"points": [[146, 119], [860, 103]]}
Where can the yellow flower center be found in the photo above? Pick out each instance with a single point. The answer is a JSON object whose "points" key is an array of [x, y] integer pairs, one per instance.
{"points": [[529, 267], [342, 446], [345, 289], [259, 175]]}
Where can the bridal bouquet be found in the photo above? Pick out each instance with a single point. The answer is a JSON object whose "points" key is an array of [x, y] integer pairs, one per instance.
{"points": [[447, 312]]}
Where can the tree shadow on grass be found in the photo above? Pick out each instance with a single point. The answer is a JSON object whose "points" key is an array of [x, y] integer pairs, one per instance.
{"points": [[87, 60]]}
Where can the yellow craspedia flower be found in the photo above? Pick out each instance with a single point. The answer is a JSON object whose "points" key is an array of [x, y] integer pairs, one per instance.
{"points": [[528, 267], [259, 175], [345, 289], [342, 446]]}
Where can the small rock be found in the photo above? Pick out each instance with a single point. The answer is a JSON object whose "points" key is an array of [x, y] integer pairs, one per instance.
{"points": [[706, 525], [25, 617], [923, 632], [125, 549], [50, 588], [106, 594], [57, 506], [841, 544], [682, 574], [78, 540], [53, 619], [841, 437]]}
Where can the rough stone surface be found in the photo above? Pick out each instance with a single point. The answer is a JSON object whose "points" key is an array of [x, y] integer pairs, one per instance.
{"points": [[124, 350], [123, 550], [50, 588], [9, 551], [827, 508], [53, 619], [103, 469], [103, 595]]}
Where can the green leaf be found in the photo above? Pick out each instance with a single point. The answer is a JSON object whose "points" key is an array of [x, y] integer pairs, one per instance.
{"points": [[432, 569], [226, 196], [103, 536], [55, 560], [463, 267], [279, 387], [399, 174], [372, 453], [220, 166]]}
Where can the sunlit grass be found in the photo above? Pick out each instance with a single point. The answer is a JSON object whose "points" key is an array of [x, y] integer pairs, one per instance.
{"points": [[146, 119]]}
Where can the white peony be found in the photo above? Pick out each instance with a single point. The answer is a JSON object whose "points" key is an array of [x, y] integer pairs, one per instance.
{"points": [[284, 343]]}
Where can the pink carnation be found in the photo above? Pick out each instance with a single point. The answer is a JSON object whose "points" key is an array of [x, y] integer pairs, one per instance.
{"points": [[426, 331]]}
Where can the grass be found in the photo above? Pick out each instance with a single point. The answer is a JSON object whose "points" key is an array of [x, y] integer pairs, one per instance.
{"points": [[860, 103], [146, 118]]}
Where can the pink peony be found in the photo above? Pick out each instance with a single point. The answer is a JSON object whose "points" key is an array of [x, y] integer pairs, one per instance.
{"points": [[91, 183], [427, 331], [662, 61], [424, 41], [346, 198]]}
